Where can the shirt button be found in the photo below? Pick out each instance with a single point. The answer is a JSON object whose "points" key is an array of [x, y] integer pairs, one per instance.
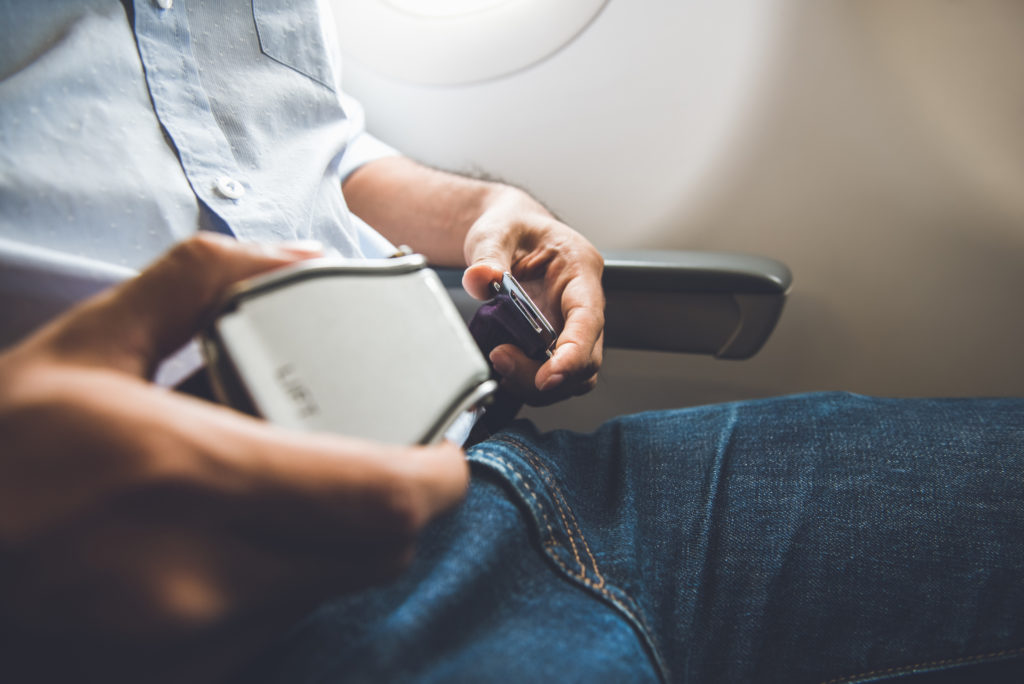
{"points": [[165, 4], [229, 188]]}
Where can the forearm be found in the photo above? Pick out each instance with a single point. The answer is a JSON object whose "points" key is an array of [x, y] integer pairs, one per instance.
{"points": [[493, 228], [427, 209]]}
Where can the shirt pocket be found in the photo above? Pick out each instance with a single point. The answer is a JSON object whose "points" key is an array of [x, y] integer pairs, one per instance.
{"points": [[290, 33]]}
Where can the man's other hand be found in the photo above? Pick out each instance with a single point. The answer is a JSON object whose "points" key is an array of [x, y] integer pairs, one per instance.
{"points": [[561, 271], [146, 535]]}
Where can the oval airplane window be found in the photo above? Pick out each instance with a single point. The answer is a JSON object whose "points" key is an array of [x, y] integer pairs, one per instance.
{"points": [[451, 42], [443, 8]]}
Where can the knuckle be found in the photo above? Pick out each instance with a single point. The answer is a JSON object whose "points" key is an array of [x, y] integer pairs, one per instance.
{"points": [[399, 511], [166, 472], [589, 372], [587, 385], [34, 463], [395, 563], [199, 249], [179, 601], [196, 250], [197, 256]]}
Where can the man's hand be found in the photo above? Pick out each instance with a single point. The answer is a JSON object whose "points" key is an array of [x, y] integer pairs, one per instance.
{"points": [[493, 228], [146, 535], [561, 271]]}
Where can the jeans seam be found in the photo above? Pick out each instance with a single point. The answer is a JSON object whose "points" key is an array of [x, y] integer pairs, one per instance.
{"points": [[619, 598], [931, 664], [560, 501], [533, 495], [551, 542], [563, 509]]}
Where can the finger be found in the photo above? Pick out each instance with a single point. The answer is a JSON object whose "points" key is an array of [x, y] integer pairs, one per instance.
{"points": [[136, 324], [579, 350], [317, 489], [489, 253], [262, 610], [293, 490], [576, 356], [519, 378], [180, 582], [518, 371], [478, 278], [294, 485]]}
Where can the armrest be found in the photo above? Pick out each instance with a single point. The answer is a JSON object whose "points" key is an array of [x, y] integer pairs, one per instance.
{"points": [[715, 303]]}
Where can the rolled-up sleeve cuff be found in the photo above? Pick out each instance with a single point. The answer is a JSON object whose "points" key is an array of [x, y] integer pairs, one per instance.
{"points": [[362, 149]]}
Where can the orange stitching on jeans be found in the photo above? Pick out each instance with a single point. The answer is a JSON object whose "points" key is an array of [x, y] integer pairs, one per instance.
{"points": [[626, 603], [558, 503], [563, 507], [552, 542], [550, 479], [931, 664], [529, 489], [632, 609]]}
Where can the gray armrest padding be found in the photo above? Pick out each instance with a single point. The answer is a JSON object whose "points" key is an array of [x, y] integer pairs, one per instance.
{"points": [[715, 303]]}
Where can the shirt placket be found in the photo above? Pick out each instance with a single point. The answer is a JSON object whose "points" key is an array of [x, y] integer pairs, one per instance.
{"points": [[184, 111]]}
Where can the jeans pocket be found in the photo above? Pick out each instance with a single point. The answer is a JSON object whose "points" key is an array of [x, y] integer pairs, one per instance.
{"points": [[290, 34]]}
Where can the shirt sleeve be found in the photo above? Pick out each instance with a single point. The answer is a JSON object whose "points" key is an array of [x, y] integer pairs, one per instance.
{"points": [[362, 147]]}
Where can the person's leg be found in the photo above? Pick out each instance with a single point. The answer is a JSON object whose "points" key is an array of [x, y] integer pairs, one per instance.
{"points": [[481, 603], [810, 538]]}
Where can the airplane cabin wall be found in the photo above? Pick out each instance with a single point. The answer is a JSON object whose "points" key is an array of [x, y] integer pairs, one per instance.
{"points": [[875, 147]]}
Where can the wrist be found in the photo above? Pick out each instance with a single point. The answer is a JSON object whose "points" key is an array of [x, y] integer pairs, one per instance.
{"points": [[508, 199], [480, 198], [506, 209]]}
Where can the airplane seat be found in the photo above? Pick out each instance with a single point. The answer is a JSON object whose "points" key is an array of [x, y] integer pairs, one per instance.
{"points": [[873, 147], [721, 304]]}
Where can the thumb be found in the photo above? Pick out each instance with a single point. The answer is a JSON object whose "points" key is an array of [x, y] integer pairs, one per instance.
{"points": [[136, 324], [488, 258], [478, 278]]}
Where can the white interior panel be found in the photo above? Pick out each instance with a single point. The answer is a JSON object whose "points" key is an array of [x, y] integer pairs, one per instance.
{"points": [[875, 147]]}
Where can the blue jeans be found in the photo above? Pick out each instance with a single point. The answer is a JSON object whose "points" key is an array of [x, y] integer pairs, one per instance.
{"points": [[815, 538]]}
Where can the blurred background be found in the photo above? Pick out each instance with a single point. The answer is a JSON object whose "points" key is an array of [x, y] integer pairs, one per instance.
{"points": [[875, 147]]}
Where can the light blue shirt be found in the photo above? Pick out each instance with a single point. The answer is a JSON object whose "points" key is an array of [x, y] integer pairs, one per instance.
{"points": [[125, 127]]}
